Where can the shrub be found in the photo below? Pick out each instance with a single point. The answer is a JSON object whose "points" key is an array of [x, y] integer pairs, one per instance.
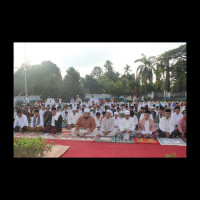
{"points": [[31, 147], [170, 155]]}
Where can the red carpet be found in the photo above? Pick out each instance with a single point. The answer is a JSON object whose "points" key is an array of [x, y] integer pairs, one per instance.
{"points": [[84, 149]]}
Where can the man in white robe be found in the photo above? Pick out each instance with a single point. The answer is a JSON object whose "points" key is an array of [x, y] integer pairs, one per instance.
{"points": [[73, 118], [21, 122], [117, 121], [176, 116], [166, 125], [127, 126], [108, 125]]}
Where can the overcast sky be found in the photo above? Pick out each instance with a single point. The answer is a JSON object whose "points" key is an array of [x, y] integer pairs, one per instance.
{"points": [[85, 56]]}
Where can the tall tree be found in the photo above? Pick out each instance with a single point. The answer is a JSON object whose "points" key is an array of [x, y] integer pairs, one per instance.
{"points": [[97, 72], [72, 85]]}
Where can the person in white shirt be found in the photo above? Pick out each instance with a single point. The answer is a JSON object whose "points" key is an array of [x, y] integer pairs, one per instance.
{"points": [[146, 126], [98, 110], [142, 116], [73, 118], [65, 118], [21, 122], [166, 125], [37, 123], [117, 121], [92, 113], [15, 113], [97, 119], [108, 125], [127, 126], [63, 112], [176, 116]]}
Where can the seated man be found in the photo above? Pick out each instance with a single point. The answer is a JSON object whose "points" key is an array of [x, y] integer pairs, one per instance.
{"points": [[176, 116], [53, 122], [142, 115], [97, 119], [108, 125], [72, 119], [47, 112], [117, 121], [146, 127], [127, 126], [166, 125], [85, 125], [132, 114], [160, 114], [21, 122], [37, 123], [103, 116], [181, 131]]}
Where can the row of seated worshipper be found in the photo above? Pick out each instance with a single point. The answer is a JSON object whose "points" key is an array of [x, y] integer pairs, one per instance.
{"points": [[106, 126]]}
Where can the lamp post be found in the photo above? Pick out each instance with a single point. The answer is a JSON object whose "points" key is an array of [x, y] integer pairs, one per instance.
{"points": [[25, 68]]}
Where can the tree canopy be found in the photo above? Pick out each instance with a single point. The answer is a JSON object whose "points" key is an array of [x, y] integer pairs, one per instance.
{"points": [[169, 70]]}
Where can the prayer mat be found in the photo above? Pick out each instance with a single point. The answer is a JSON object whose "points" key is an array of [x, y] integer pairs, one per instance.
{"points": [[63, 125], [105, 139], [57, 151], [114, 139], [121, 140], [146, 141], [66, 135], [171, 141]]}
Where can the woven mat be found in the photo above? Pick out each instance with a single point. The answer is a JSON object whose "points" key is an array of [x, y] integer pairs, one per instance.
{"points": [[64, 135], [171, 141], [114, 139], [57, 151], [146, 141]]}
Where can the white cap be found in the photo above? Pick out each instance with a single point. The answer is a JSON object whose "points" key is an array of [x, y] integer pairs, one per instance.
{"points": [[74, 108], [116, 113], [127, 112], [109, 111], [87, 110]]}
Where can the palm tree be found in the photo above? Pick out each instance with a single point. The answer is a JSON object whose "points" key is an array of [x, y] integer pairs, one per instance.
{"points": [[127, 69], [145, 71]]}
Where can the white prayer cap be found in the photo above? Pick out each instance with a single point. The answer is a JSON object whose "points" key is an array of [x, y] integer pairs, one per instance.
{"points": [[116, 113], [127, 112], [87, 110], [74, 108], [109, 111]]}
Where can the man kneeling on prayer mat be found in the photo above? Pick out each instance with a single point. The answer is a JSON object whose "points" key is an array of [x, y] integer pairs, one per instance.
{"points": [[37, 123], [166, 125], [127, 126], [108, 125], [53, 122], [146, 127], [21, 122], [181, 131], [72, 119], [85, 125]]}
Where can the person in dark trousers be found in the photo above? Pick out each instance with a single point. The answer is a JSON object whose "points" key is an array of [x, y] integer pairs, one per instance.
{"points": [[53, 122]]}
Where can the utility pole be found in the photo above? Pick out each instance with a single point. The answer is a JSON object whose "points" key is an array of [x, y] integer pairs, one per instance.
{"points": [[25, 71]]}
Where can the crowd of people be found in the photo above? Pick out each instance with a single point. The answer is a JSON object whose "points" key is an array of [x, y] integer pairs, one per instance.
{"points": [[137, 119]]}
